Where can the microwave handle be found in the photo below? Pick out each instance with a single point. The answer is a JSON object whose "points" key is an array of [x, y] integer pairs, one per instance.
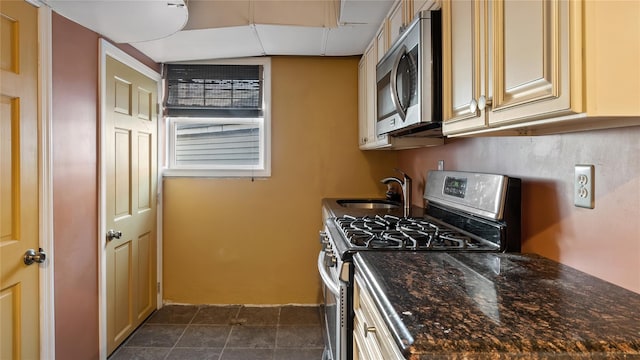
{"points": [[394, 91]]}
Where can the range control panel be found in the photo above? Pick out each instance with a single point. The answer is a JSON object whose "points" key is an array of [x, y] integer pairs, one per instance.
{"points": [[455, 186]]}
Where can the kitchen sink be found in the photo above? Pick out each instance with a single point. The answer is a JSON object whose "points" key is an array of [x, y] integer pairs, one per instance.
{"points": [[368, 203]]}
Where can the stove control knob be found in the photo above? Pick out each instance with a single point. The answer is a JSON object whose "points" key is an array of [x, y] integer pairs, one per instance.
{"points": [[330, 260], [324, 238]]}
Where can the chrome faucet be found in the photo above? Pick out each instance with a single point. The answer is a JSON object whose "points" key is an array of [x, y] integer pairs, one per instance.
{"points": [[405, 184]]}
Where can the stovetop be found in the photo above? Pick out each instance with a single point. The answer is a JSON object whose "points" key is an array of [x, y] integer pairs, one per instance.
{"points": [[464, 212], [390, 232]]}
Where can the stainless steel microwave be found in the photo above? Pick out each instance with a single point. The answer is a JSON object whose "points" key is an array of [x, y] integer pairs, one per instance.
{"points": [[409, 80]]}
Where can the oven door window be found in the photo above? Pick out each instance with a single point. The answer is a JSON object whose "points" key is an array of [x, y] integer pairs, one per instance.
{"points": [[406, 81]]}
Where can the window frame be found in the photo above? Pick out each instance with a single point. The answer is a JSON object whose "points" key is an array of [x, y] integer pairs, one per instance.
{"points": [[262, 170]]}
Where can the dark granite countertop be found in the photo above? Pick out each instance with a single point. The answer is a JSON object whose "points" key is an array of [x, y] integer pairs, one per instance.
{"points": [[500, 306]]}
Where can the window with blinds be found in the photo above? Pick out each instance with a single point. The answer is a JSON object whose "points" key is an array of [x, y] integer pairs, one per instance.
{"points": [[218, 120], [214, 90]]}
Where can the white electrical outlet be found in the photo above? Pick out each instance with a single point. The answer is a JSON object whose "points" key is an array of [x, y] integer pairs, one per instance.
{"points": [[440, 164], [584, 186]]}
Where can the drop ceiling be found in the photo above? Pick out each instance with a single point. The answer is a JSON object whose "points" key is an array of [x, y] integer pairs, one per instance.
{"points": [[175, 30]]}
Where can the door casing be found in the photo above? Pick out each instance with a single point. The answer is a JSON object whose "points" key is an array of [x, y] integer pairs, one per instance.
{"points": [[108, 49], [45, 175]]}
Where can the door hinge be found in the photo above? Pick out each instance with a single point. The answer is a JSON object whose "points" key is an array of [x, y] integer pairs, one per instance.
{"points": [[158, 287]]}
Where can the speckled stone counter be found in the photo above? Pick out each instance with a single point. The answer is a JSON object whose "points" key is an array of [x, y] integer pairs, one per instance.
{"points": [[499, 306]]}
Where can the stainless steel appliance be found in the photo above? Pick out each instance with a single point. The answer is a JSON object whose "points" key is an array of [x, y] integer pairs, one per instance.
{"points": [[409, 80], [464, 212]]}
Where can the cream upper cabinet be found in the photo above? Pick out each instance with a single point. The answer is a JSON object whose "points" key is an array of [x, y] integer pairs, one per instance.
{"points": [[382, 43], [367, 98], [464, 64], [535, 67], [531, 65], [362, 101], [504, 62], [371, 56], [423, 5], [397, 20]]}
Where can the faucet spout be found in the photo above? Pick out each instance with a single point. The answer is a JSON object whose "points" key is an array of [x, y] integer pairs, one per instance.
{"points": [[405, 184], [391, 179]]}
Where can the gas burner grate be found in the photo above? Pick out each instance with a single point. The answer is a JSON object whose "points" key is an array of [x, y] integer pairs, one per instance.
{"points": [[391, 232]]}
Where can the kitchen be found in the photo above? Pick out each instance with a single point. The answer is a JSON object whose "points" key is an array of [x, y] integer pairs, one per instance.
{"points": [[552, 226]]}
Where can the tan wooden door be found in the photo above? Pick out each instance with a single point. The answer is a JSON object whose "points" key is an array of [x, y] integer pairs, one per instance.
{"points": [[19, 296], [130, 154]]}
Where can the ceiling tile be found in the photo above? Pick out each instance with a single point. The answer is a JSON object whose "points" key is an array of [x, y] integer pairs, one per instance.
{"points": [[363, 11], [239, 41], [292, 40], [349, 39]]}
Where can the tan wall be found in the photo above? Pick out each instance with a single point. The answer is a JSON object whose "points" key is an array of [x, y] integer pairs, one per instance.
{"points": [[75, 187], [605, 241], [256, 242]]}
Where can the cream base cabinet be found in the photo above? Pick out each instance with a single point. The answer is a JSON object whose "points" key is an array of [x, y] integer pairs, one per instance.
{"points": [[372, 339], [530, 66]]}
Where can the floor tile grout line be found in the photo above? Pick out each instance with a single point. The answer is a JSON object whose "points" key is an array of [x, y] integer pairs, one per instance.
{"points": [[235, 325], [275, 346], [181, 335], [224, 347]]}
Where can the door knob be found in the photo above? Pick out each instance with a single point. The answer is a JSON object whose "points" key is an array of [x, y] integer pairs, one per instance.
{"points": [[113, 234], [31, 256]]}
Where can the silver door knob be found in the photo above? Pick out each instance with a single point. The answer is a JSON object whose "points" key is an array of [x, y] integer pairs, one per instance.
{"points": [[31, 256], [113, 234]]}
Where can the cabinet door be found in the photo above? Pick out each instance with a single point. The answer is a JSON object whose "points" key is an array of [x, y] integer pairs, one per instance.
{"points": [[464, 64], [381, 41], [396, 21], [531, 69], [372, 56], [362, 101], [423, 5]]}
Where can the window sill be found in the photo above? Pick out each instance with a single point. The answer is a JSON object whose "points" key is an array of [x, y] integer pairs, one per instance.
{"points": [[208, 173]]}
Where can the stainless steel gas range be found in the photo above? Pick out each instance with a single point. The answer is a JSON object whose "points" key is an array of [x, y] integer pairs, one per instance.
{"points": [[463, 211]]}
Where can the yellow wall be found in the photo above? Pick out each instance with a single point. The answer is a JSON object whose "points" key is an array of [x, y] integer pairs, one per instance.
{"points": [[237, 241]]}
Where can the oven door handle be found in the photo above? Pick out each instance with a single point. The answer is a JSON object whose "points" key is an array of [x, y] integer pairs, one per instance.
{"points": [[326, 278]]}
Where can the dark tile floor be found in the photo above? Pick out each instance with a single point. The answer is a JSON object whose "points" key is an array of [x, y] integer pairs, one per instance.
{"points": [[227, 333]]}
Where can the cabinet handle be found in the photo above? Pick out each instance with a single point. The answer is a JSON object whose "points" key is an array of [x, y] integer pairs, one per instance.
{"points": [[473, 106], [483, 102], [368, 329]]}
